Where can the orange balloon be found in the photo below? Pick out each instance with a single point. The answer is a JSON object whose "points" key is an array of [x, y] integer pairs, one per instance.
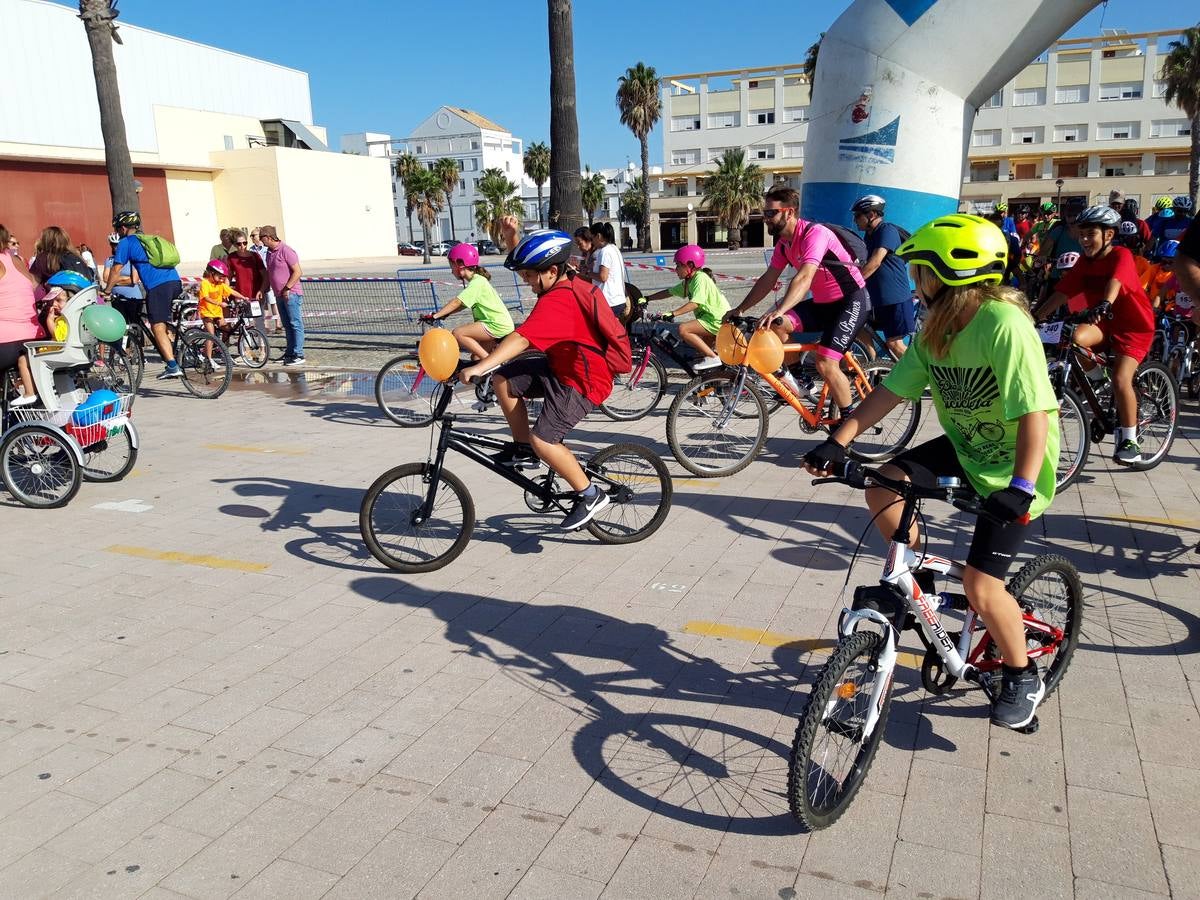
{"points": [[731, 345], [765, 353], [438, 352]]}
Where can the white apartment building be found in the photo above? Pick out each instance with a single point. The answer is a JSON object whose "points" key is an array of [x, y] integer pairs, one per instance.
{"points": [[763, 111], [616, 182], [1086, 117]]}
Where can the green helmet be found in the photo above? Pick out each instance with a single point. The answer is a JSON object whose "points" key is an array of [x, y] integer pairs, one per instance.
{"points": [[1047, 206], [103, 322], [1162, 203], [961, 249], [1001, 207]]}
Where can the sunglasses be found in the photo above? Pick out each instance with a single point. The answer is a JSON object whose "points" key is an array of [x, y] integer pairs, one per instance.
{"points": [[771, 213], [239, 243]]}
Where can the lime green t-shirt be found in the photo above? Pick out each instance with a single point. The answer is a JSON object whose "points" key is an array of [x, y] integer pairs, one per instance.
{"points": [[994, 373], [711, 304], [486, 306]]}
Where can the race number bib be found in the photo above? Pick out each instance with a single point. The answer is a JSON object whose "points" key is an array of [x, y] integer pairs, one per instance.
{"points": [[255, 308], [1050, 332], [1066, 261]]}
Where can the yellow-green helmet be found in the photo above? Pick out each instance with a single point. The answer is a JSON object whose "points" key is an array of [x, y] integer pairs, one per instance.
{"points": [[961, 249], [1162, 203]]}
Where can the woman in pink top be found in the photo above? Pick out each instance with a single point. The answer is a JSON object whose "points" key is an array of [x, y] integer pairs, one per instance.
{"points": [[18, 320]]}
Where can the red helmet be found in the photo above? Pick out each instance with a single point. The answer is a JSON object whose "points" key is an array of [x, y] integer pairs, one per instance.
{"points": [[690, 253], [219, 266], [464, 254]]}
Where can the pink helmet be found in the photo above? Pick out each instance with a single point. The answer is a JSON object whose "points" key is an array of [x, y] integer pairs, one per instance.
{"points": [[465, 254], [219, 266], [690, 253]]}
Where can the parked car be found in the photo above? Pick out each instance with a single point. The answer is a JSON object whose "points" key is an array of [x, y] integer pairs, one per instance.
{"points": [[407, 249], [440, 249], [487, 248]]}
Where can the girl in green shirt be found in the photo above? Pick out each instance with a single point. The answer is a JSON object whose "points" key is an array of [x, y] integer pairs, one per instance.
{"points": [[703, 297], [492, 319], [983, 362]]}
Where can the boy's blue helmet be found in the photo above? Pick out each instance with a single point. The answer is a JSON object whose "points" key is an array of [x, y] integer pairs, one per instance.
{"points": [[68, 279], [540, 250]]}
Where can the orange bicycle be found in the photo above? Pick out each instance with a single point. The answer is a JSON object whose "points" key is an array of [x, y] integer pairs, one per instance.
{"points": [[718, 423]]}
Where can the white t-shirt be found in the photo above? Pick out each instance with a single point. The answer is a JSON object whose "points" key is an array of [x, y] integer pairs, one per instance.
{"points": [[614, 289]]}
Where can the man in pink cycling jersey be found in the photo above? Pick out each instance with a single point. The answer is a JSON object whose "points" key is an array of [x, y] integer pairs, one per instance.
{"points": [[839, 304]]}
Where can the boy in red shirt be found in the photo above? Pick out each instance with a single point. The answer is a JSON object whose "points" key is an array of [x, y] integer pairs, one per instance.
{"points": [[1106, 274], [572, 378]]}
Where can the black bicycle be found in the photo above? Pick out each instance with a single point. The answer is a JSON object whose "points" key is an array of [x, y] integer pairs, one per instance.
{"points": [[206, 367], [252, 346], [418, 517]]}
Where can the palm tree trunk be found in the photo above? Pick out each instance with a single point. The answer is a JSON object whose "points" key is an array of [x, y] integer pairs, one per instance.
{"points": [[450, 206], [1194, 169], [425, 235], [566, 211], [98, 23], [645, 225], [411, 233], [541, 208]]}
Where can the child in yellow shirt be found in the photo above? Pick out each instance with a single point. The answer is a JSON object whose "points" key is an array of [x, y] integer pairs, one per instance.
{"points": [[213, 296]]}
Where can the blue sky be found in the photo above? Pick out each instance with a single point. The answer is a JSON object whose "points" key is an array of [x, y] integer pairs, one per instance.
{"points": [[384, 65]]}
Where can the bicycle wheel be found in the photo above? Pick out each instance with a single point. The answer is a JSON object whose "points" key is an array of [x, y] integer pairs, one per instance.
{"points": [[1048, 588], [112, 458], [405, 394], [638, 393], [831, 755], [38, 466], [386, 519], [1075, 437], [253, 348], [712, 433], [132, 346], [639, 490], [204, 379], [892, 433], [112, 369], [1158, 411]]}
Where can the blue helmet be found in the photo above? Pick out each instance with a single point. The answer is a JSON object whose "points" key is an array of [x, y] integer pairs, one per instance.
{"points": [[1168, 249], [540, 250], [1183, 201], [68, 279]]}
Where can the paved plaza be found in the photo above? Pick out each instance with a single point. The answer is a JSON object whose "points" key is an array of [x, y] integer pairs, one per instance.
{"points": [[208, 688]]}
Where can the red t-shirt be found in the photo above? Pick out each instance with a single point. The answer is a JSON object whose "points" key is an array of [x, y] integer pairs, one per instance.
{"points": [[1023, 226], [558, 327], [1086, 282], [247, 273]]}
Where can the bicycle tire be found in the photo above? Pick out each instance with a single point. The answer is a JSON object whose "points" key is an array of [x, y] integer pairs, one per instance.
{"points": [[201, 381], [703, 395], [629, 401], [1075, 439], [820, 710], [137, 358], [111, 459], [630, 465], [253, 347], [404, 393], [1158, 412], [409, 559], [1070, 620], [38, 466], [895, 430]]}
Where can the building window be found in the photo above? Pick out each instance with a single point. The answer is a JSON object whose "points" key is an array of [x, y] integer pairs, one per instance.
{"points": [[420, 148], [723, 120], [1071, 93], [795, 114], [1068, 169], [1170, 128], [1035, 135], [985, 172], [1131, 90], [1029, 97], [685, 157], [1118, 131], [1070, 133], [994, 101], [679, 189], [474, 145], [793, 150], [462, 185], [985, 137], [1025, 171], [1116, 169], [763, 116], [715, 153], [1159, 88], [762, 151], [685, 123], [1171, 165]]}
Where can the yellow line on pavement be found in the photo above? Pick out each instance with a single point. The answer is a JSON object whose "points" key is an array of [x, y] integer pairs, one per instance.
{"points": [[188, 559], [766, 638], [237, 448], [1150, 520]]}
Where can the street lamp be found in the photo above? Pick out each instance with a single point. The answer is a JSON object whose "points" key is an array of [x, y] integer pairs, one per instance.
{"points": [[1058, 183]]}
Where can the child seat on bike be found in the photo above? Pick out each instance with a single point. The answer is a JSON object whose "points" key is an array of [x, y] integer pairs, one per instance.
{"points": [[52, 362]]}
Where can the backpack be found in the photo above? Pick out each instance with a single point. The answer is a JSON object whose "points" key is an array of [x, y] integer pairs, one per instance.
{"points": [[853, 245], [618, 355], [160, 252]]}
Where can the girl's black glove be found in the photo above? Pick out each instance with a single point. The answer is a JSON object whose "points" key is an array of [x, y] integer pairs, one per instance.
{"points": [[1008, 505], [828, 457]]}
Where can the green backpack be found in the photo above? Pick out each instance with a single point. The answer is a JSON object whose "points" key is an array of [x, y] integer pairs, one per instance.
{"points": [[161, 253]]}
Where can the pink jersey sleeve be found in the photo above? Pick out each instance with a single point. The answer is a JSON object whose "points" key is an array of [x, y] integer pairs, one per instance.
{"points": [[779, 258]]}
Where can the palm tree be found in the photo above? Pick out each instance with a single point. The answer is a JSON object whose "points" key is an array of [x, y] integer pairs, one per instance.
{"points": [[632, 202], [732, 191], [500, 198], [810, 63], [537, 167], [406, 166], [592, 190], [565, 211], [641, 107], [449, 175], [428, 199], [1181, 72], [99, 21]]}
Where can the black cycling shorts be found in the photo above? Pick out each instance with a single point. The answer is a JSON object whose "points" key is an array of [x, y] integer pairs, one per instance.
{"points": [[563, 407], [993, 547], [839, 323]]}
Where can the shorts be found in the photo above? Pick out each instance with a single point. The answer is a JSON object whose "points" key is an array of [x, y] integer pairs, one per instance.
{"points": [[993, 546], [10, 353], [839, 323], [1126, 338], [159, 300], [563, 407], [896, 320]]}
